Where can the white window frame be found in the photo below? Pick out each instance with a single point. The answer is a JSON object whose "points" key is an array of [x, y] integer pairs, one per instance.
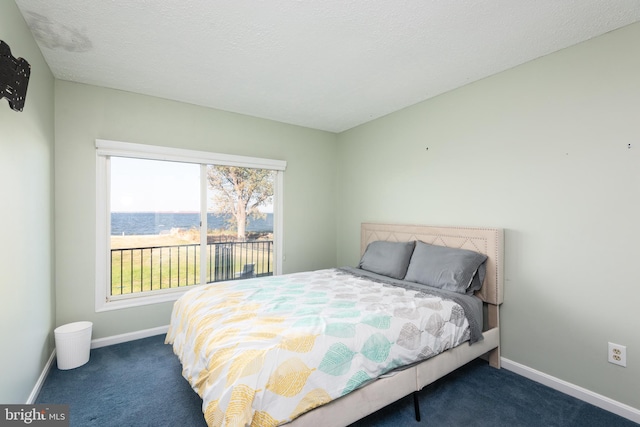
{"points": [[105, 149]]}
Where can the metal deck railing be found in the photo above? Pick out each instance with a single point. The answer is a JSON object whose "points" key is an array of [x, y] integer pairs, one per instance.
{"points": [[135, 270]]}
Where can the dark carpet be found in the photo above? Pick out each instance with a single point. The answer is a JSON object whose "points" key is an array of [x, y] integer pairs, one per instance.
{"points": [[139, 383]]}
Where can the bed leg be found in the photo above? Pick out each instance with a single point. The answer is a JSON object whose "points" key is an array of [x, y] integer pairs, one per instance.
{"points": [[494, 358], [494, 322], [416, 405]]}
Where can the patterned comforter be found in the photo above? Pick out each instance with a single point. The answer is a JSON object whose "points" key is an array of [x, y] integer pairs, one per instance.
{"points": [[263, 351]]}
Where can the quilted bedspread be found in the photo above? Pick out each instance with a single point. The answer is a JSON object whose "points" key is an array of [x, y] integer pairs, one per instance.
{"points": [[263, 351]]}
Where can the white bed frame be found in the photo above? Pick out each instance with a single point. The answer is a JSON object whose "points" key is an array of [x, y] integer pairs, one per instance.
{"points": [[384, 391]]}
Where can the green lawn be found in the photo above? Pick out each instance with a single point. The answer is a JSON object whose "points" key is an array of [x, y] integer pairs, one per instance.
{"points": [[169, 263]]}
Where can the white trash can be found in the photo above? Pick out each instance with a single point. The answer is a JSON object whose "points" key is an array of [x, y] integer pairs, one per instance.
{"points": [[73, 344]]}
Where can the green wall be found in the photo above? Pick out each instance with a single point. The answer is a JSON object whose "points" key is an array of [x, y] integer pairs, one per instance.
{"points": [[26, 189], [85, 113], [541, 150]]}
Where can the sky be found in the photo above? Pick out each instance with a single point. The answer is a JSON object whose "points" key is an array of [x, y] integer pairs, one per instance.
{"points": [[154, 186], [139, 185]]}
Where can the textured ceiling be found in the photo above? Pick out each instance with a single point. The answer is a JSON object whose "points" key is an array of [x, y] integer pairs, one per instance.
{"points": [[323, 64]]}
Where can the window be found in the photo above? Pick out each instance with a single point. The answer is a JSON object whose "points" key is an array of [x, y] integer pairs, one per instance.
{"points": [[169, 219]]}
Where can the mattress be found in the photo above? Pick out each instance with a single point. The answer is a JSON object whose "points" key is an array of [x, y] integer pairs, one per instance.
{"points": [[264, 351]]}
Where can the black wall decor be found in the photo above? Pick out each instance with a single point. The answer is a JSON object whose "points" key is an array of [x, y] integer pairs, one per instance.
{"points": [[14, 77]]}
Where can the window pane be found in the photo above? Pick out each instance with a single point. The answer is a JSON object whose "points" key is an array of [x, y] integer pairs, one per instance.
{"points": [[239, 222], [155, 225]]}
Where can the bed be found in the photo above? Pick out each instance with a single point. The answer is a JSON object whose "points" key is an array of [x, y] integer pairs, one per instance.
{"points": [[290, 350]]}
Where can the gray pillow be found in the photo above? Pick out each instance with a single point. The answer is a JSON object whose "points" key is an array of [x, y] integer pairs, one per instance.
{"points": [[387, 258], [452, 269]]}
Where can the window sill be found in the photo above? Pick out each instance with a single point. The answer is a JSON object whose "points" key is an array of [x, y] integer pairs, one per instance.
{"points": [[127, 301]]}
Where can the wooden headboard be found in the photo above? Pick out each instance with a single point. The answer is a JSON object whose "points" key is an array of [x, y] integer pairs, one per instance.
{"points": [[489, 241]]}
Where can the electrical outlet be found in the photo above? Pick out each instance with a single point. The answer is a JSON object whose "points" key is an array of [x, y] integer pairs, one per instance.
{"points": [[618, 354]]}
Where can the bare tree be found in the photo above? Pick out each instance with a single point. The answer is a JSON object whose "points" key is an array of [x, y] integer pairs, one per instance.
{"points": [[239, 192]]}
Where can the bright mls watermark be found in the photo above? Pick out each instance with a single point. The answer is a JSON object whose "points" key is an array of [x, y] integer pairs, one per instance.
{"points": [[34, 415]]}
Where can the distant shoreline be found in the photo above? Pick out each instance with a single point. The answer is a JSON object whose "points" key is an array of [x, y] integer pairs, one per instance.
{"points": [[158, 223], [129, 241]]}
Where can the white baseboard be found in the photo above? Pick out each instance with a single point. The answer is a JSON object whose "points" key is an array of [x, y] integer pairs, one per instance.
{"points": [[43, 376], [573, 390], [130, 336], [97, 343]]}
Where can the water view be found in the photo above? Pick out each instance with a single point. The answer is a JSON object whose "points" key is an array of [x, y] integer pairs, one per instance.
{"points": [[147, 223]]}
